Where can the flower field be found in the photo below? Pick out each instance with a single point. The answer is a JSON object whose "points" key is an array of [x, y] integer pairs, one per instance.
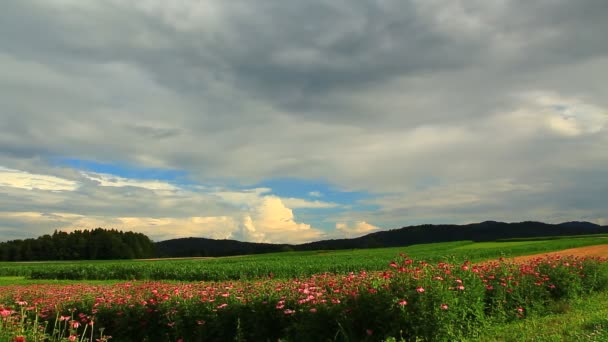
{"points": [[410, 299]]}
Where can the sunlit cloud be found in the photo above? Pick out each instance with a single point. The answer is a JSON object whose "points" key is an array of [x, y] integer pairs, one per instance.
{"points": [[354, 229], [30, 181], [115, 181]]}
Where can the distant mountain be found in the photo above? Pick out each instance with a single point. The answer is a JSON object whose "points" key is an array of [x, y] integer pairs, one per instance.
{"points": [[202, 247], [483, 231], [579, 224]]}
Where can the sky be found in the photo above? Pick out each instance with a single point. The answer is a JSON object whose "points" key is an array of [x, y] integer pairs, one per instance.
{"points": [[295, 121]]}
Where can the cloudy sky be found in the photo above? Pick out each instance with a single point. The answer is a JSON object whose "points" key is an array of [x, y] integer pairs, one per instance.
{"points": [[292, 121]]}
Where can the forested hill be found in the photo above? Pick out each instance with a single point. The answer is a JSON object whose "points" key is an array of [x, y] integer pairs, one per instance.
{"points": [[202, 247], [79, 245], [112, 244], [484, 231]]}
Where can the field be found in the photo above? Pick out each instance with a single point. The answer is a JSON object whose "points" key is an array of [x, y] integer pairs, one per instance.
{"points": [[445, 291], [282, 265]]}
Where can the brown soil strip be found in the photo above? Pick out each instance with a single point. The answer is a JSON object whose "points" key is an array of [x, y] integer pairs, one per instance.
{"points": [[595, 251]]}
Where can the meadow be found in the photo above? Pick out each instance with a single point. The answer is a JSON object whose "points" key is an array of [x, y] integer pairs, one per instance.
{"points": [[434, 292], [281, 265]]}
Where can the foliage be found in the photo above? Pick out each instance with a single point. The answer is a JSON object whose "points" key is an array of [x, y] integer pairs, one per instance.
{"points": [[80, 244], [406, 236], [582, 319], [277, 265], [410, 299]]}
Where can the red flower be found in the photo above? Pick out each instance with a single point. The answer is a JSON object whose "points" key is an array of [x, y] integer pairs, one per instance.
{"points": [[420, 289], [402, 302], [19, 339], [444, 306]]}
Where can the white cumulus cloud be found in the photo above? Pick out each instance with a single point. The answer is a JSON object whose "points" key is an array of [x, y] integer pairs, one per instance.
{"points": [[31, 181]]}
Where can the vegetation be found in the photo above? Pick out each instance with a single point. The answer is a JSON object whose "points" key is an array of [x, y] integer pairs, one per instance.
{"points": [[78, 245], [346, 295], [102, 244], [406, 236], [279, 265], [582, 319], [409, 300]]}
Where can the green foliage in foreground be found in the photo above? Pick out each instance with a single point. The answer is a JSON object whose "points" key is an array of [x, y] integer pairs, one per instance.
{"points": [[412, 301], [280, 265], [582, 319]]}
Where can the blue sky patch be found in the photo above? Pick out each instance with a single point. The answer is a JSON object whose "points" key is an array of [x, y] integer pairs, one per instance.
{"points": [[125, 170]]}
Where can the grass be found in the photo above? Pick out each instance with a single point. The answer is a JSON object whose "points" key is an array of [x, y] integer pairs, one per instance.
{"points": [[7, 281], [558, 307], [411, 299], [555, 237], [281, 265], [584, 319], [510, 244]]}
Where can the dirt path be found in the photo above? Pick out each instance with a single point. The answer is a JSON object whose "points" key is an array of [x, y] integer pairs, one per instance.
{"points": [[597, 251]]}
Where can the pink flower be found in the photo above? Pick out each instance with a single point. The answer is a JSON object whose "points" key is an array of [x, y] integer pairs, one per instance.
{"points": [[289, 312], [313, 310], [444, 306], [520, 309], [72, 338], [402, 302], [420, 289]]}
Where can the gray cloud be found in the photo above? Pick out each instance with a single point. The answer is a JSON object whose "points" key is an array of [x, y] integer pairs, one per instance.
{"points": [[375, 96]]}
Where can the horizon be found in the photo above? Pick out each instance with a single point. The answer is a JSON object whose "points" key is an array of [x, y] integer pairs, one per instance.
{"points": [[288, 122], [320, 240]]}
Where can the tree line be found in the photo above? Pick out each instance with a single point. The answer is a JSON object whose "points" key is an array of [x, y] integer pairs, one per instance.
{"points": [[85, 244], [112, 244]]}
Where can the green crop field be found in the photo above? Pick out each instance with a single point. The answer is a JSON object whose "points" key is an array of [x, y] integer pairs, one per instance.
{"points": [[280, 265], [428, 292], [501, 245]]}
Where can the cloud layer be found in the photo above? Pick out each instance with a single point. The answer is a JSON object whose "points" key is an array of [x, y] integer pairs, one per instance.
{"points": [[441, 111]]}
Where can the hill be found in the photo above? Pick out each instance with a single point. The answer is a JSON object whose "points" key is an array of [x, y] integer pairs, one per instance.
{"points": [[202, 247], [484, 231]]}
